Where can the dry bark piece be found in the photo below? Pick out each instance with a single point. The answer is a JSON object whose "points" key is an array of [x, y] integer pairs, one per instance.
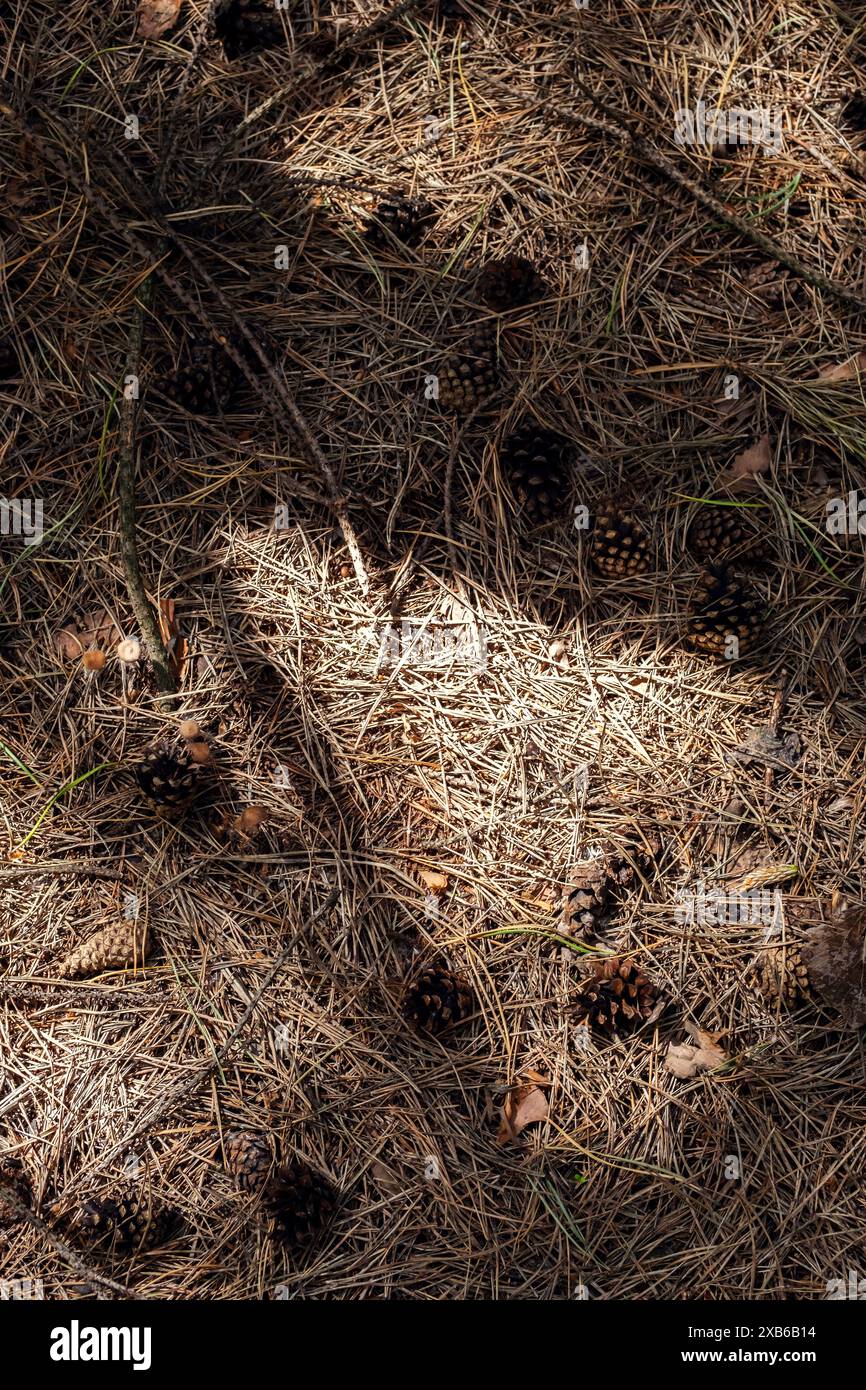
{"points": [[114, 948], [834, 957], [755, 459]]}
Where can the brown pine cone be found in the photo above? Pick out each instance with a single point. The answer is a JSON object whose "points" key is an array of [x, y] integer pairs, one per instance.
{"points": [[586, 899], [299, 1201], [617, 998], [249, 1159], [726, 531], [437, 1000], [780, 975], [169, 780], [510, 283], [725, 616], [130, 1221], [620, 545], [114, 948], [469, 377]]}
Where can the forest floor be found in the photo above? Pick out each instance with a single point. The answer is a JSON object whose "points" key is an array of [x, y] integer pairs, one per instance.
{"points": [[424, 811]]}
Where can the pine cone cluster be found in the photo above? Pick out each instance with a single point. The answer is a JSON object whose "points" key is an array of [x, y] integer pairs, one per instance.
{"points": [[130, 1221], [249, 1159], [299, 1201], [469, 377], [723, 608], [620, 546], [780, 974], [116, 947], [169, 780], [437, 1000], [536, 462], [618, 998], [510, 283], [395, 215]]}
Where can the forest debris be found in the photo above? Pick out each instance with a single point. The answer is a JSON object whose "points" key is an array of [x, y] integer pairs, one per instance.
{"points": [[94, 631], [433, 881], [156, 17], [755, 459], [833, 953], [685, 1060], [848, 370], [765, 746], [525, 1104]]}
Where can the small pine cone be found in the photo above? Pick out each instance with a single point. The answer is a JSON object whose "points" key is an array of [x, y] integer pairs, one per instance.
{"points": [[727, 531], [114, 948], [618, 997], [780, 975], [168, 780], [469, 377], [437, 1000], [248, 26], [12, 1173], [510, 283], [723, 608], [394, 215], [626, 867], [620, 545], [9, 364], [299, 1201], [535, 461], [130, 1221], [249, 1159], [586, 899]]}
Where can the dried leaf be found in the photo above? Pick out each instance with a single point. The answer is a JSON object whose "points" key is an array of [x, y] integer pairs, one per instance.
{"points": [[97, 629], [172, 640], [687, 1059], [524, 1105], [753, 460], [833, 954], [845, 371], [433, 882], [156, 17]]}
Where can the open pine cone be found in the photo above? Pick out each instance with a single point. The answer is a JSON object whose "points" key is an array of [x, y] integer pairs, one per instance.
{"points": [[510, 283], [436, 1000], [299, 1201], [129, 1221], [780, 975], [620, 545], [469, 376], [725, 617], [618, 998], [169, 780]]}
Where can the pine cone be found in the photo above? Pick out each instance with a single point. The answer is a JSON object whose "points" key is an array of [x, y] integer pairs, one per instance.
{"points": [[9, 364], [536, 460], [249, 1159], [723, 608], [13, 1174], [405, 219], [469, 377], [299, 1201], [437, 1000], [620, 545], [780, 974], [727, 531], [205, 385], [618, 998], [169, 781], [116, 947], [510, 283], [586, 899], [248, 26], [130, 1221]]}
